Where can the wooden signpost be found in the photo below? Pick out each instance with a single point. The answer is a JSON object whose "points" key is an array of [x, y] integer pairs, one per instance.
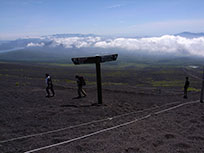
{"points": [[96, 60], [202, 88]]}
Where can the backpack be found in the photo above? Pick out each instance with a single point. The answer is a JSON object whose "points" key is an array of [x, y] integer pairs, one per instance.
{"points": [[82, 81], [49, 81]]}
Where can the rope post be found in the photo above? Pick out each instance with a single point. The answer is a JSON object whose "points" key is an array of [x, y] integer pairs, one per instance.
{"points": [[98, 78], [202, 88]]}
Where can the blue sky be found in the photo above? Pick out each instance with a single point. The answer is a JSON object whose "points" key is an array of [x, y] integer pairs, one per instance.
{"points": [[19, 18]]}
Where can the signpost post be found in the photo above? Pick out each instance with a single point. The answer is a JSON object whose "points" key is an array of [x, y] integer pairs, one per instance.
{"points": [[96, 60], [202, 88]]}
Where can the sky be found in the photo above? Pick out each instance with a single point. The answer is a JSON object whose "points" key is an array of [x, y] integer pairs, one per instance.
{"points": [[20, 18]]}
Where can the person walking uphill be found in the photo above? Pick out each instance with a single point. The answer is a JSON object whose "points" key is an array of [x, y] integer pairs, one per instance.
{"points": [[80, 83], [187, 83], [48, 81]]}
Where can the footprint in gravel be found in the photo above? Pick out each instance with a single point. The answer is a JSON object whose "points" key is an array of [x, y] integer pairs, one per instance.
{"points": [[132, 150], [169, 136], [158, 143], [182, 145], [81, 148], [193, 121], [196, 138], [57, 140], [202, 118]]}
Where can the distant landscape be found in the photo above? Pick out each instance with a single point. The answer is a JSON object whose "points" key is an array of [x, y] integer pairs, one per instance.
{"points": [[142, 90], [148, 100], [180, 49]]}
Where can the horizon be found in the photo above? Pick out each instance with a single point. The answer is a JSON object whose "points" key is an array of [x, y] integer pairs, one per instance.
{"points": [[34, 18], [92, 34]]}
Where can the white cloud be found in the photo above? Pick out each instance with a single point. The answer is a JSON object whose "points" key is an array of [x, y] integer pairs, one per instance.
{"points": [[77, 42], [35, 44], [167, 44]]}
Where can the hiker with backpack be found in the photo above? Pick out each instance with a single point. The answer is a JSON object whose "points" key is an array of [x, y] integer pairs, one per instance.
{"points": [[80, 83]]}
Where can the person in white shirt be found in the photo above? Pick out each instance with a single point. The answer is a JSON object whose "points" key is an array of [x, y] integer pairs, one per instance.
{"points": [[48, 81]]}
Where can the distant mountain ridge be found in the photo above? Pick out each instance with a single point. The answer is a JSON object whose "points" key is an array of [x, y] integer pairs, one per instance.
{"points": [[190, 34]]}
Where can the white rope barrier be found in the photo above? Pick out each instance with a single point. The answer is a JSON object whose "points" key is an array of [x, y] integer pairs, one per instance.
{"points": [[194, 76], [174, 107], [111, 128], [88, 135], [82, 124]]}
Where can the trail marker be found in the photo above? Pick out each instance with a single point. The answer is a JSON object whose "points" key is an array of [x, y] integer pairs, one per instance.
{"points": [[96, 60]]}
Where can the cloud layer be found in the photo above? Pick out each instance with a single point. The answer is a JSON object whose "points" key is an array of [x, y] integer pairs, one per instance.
{"points": [[77, 42], [167, 44], [35, 44]]}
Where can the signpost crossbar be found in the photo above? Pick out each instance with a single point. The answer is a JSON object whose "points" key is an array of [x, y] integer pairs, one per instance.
{"points": [[96, 60]]}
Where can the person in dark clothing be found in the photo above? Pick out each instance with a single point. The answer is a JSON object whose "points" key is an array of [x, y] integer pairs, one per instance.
{"points": [[80, 84], [48, 81], [187, 83]]}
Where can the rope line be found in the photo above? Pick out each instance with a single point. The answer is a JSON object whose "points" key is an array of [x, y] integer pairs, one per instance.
{"points": [[111, 128], [194, 76], [88, 135], [82, 124], [174, 107]]}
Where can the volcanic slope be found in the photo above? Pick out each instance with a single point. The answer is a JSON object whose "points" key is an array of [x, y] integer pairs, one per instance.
{"points": [[131, 93]]}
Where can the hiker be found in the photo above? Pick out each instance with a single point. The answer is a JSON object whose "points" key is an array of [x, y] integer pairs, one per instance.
{"points": [[187, 83], [80, 82], [48, 81]]}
